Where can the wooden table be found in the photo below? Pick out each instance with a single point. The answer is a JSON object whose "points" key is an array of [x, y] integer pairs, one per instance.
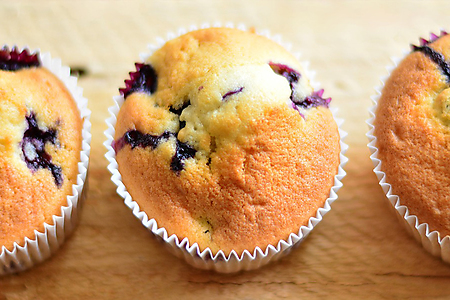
{"points": [[359, 251]]}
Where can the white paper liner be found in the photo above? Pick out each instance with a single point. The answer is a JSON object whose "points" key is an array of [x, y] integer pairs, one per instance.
{"points": [[191, 253], [430, 240], [46, 243]]}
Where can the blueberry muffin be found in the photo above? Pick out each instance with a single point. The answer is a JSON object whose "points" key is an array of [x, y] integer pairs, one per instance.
{"points": [[222, 140], [40, 143], [412, 127]]}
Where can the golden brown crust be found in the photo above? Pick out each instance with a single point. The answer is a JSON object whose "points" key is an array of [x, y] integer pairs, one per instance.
{"points": [[413, 136], [261, 170], [30, 198]]}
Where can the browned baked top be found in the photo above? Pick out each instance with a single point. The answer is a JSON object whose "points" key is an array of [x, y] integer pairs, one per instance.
{"points": [[413, 134], [222, 140], [40, 142]]}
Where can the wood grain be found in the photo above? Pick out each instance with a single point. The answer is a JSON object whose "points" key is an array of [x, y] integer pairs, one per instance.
{"points": [[359, 251]]}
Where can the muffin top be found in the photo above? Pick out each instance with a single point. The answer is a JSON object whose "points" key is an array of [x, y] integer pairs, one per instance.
{"points": [[40, 142], [222, 140], [413, 134]]}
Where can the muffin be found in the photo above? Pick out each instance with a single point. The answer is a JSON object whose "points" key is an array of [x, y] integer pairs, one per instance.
{"points": [[40, 147], [412, 134], [222, 140]]}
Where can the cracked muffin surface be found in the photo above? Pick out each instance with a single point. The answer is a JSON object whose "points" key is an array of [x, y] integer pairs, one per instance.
{"points": [[40, 143], [221, 139], [413, 134]]}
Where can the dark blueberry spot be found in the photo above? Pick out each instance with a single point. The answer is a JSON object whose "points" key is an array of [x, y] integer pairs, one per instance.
{"points": [[314, 100], [14, 60], [33, 148], [228, 94], [178, 112], [135, 138], [180, 109], [290, 74], [183, 151], [436, 57], [143, 80]]}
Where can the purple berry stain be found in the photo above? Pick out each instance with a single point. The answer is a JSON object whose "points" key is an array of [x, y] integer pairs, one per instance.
{"points": [[135, 138], [287, 72], [13, 60], [314, 100], [33, 148], [292, 76], [230, 93], [436, 57], [143, 80]]}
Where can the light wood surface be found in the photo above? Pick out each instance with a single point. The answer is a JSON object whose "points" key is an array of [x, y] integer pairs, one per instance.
{"points": [[359, 251]]}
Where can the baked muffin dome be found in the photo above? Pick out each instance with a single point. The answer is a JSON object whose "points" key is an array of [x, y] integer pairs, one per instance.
{"points": [[222, 140], [413, 134], [40, 143]]}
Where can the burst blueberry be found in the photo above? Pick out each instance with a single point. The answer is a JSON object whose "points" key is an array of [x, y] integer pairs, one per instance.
{"points": [[290, 74], [437, 57], [143, 80], [287, 72], [33, 148], [314, 100], [135, 138], [183, 152], [178, 112]]}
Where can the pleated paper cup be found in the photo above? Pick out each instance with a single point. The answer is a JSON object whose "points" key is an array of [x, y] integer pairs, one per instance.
{"points": [[47, 242], [184, 248], [431, 240]]}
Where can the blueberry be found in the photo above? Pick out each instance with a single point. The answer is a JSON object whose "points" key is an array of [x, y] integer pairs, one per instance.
{"points": [[436, 57], [292, 76], [287, 72], [33, 148], [183, 151], [314, 100], [143, 80], [135, 138], [179, 110]]}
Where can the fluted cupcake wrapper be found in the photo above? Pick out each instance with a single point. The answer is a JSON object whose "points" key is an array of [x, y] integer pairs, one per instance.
{"points": [[206, 259], [432, 241], [47, 242]]}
